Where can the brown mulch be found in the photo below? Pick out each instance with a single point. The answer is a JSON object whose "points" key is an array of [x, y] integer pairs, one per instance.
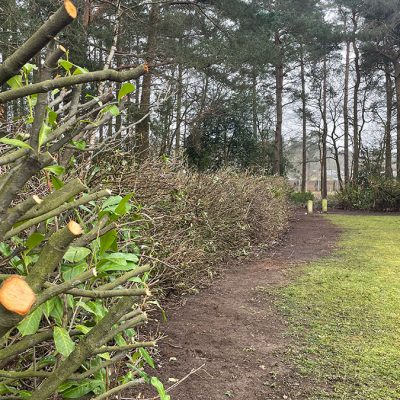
{"points": [[233, 329]]}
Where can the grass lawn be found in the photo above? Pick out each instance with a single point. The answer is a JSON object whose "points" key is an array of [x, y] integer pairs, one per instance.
{"points": [[344, 313]]}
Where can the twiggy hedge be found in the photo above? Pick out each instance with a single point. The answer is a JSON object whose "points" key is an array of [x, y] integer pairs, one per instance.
{"points": [[195, 222]]}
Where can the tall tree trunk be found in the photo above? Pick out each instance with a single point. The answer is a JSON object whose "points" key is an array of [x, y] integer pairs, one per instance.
{"points": [[397, 84], [143, 127], [388, 125], [179, 95], [356, 139], [304, 118], [254, 108], [278, 170], [346, 114], [324, 184]]}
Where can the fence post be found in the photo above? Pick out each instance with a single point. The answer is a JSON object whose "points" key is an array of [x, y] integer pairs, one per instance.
{"points": [[310, 207], [324, 206]]}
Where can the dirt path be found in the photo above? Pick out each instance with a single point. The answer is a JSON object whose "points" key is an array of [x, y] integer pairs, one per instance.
{"points": [[233, 328]]}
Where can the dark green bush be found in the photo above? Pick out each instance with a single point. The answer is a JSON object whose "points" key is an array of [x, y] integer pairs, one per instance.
{"points": [[378, 194], [301, 198]]}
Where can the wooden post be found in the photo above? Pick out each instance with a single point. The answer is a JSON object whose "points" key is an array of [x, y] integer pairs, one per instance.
{"points": [[324, 206], [310, 207]]}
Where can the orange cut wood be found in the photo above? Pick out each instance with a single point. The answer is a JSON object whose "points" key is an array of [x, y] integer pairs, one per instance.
{"points": [[16, 295], [70, 8]]}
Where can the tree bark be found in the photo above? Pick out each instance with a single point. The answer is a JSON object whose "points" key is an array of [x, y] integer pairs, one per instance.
{"points": [[397, 85], [356, 139], [254, 105], [143, 128], [96, 76], [388, 125], [304, 120], [55, 24], [278, 168], [179, 95], [346, 115], [324, 186]]}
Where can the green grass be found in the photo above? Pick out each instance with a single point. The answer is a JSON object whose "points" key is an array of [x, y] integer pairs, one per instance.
{"points": [[344, 313]]}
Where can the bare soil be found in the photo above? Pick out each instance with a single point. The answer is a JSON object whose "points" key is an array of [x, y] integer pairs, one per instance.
{"points": [[234, 330]]}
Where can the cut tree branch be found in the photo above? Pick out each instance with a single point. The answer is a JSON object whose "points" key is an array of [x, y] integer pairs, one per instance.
{"points": [[96, 76], [55, 24]]}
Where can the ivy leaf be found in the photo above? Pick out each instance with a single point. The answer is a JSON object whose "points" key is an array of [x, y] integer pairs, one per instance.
{"points": [[30, 324], [126, 88], [64, 344], [16, 143]]}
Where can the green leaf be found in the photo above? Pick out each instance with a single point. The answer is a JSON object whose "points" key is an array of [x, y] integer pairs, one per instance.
{"points": [[111, 201], [160, 388], [146, 356], [51, 117], [84, 329], [33, 241], [56, 182], [16, 143], [124, 206], [43, 133], [28, 68], [107, 240], [15, 82], [48, 307], [105, 356], [121, 258], [58, 310], [30, 324], [64, 344], [84, 387], [67, 65], [80, 70], [70, 272], [109, 266], [79, 144], [112, 109], [126, 88], [76, 254], [55, 169]]}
